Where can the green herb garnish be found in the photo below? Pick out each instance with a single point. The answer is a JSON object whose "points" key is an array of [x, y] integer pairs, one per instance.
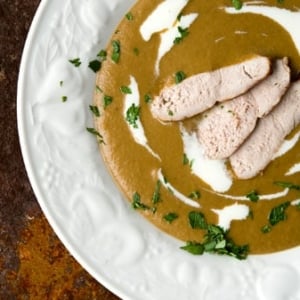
{"points": [[147, 98], [61, 83], [185, 159], [95, 110], [98, 89], [136, 202], [64, 98], [107, 100], [129, 16], [170, 217], [95, 65], [197, 220], [97, 134], [184, 32], [289, 185], [136, 51], [237, 4], [253, 196], [116, 52], [156, 194], [277, 213], [179, 76], [76, 62], [216, 241], [195, 195], [125, 89], [266, 229], [132, 115], [102, 55]]}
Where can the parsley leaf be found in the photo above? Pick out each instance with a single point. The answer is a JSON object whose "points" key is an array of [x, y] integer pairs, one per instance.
{"points": [[156, 194], [147, 98], [253, 196], [129, 16], [97, 134], [95, 110], [125, 89], [64, 98], [193, 248], [116, 52], [76, 62], [185, 159], [277, 213], [195, 195], [197, 220], [237, 4], [95, 65], [102, 55], [179, 76], [170, 217], [107, 100], [288, 185], [136, 202], [132, 115], [184, 32]]}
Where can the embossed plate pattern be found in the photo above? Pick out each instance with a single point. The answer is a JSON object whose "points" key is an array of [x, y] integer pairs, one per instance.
{"points": [[117, 246]]}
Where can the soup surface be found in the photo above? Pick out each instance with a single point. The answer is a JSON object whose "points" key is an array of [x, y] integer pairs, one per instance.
{"points": [[157, 164]]}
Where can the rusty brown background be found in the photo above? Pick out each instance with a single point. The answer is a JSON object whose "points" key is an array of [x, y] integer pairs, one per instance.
{"points": [[33, 262]]}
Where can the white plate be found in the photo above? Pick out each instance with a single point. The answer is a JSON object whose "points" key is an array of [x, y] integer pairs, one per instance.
{"points": [[111, 241]]}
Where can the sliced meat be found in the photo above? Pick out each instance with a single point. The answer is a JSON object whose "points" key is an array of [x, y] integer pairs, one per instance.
{"points": [[258, 150], [226, 126], [200, 92]]}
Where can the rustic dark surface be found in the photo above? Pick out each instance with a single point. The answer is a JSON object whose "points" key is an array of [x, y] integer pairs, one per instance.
{"points": [[33, 262]]}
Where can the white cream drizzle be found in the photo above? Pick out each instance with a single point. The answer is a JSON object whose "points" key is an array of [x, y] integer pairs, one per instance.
{"points": [[293, 170], [162, 18], [295, 202], [212, 172], [289, 20], [287, 145], [232, 212], [137, 133], [261, 197], [167, 37], [176, 193]]}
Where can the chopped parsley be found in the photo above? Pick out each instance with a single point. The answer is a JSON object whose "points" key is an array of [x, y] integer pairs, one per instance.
{"points": [[184, 32], [170, 113], [76, 62], [216, 241], [253, 196], [97, 134], [156, 195], [237, 4], [125, 89], [61, 83], [132, 115], [102, 55], [95, 65], [195, 195], [116, 51], [136, 202], [129, 16], [179, 76], [170, 217], [98, 89], [197, 220], [107, 100], [64, 98], [277, 213], [289, 185], [95, 110], [147, 98], [185, 159], [136, 51]]}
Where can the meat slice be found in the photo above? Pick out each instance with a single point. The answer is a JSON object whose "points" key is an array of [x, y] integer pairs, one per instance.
{"points": [[226, 126], [200, 92], [258, 150]]}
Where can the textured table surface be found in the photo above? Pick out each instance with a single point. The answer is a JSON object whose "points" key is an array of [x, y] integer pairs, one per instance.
{"points": [[33, 262]]}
